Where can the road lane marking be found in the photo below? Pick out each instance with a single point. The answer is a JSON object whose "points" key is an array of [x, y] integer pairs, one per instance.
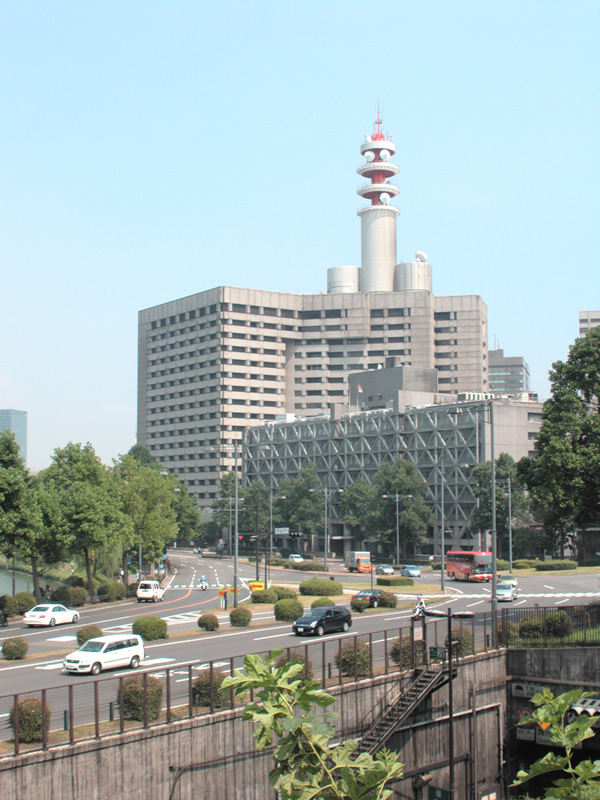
{"points": [[61, 639]]}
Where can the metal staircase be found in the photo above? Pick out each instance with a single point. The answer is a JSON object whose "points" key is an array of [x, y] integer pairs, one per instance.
{"points": [[402, 706]]}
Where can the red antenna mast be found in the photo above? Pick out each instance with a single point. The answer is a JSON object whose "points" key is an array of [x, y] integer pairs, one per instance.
{"points": [[378, 137]]}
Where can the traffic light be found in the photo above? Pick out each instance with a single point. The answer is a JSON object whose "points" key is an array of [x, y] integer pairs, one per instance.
{"points": [[240, 538], [295, 534]]}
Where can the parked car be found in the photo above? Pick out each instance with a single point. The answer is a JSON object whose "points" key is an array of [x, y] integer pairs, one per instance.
{"points": [[410, 571], [149, 590], [50, 614], [371, 595], [506, 592], [295, 558], [384, 569], [323, 619], [106, 652]]}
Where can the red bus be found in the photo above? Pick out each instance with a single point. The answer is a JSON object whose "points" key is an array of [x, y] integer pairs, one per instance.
{"points": [[469, 565]]}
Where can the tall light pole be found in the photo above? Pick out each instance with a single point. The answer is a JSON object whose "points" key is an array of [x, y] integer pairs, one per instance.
{"points": [[397, 497], [326, 494], [443, 530], [237, 531], [493, 531], [510, 567]]}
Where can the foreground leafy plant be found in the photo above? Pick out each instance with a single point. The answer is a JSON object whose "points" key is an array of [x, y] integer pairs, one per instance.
{"points": [[307, 765], [551, 716]]}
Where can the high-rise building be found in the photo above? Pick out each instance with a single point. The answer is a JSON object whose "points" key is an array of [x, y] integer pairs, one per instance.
{"points": [[508, 375], [214, 363], [587, 321], [16, 421]]}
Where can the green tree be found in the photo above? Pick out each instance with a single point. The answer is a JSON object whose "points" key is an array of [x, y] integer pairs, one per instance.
{"points": [[21, 525], [564, 476], [306, 765], [358, 507], [86, 514], [300, 504], [143, 456], [551, 715], [147, 501], [415, 517], [520, 512]]}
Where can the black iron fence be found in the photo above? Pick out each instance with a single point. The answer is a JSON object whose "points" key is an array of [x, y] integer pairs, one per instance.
{"points": [[115, 702]]}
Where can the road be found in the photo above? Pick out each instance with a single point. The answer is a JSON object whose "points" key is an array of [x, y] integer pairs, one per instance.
{"points": [[184, 601]]}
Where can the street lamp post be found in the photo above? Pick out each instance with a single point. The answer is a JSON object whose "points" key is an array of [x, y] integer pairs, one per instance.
{"points": [[493, 531], [510, 548], [326, 494], [397, 497]]}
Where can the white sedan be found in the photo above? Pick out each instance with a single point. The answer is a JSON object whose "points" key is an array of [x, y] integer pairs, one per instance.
{"points": [[50, 614]]}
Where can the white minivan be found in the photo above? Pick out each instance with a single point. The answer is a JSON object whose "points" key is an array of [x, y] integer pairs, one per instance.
{"points": [[107, 652], [149, 590]]}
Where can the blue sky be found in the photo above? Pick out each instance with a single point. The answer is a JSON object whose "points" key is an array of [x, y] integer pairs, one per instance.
{"points": [[151, 150]]}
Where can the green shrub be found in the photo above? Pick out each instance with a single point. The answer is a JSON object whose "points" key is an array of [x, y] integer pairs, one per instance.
{"points": [[322, 601], [288, 610], [521, 563], [201, 690], [346, 664], [61, 594], [436, 566], [75, 580], [557, 624], [400, 651], [297, 657], [309, 566], [208, 622], [240, 617], [30, 719], [110, 591], [384, 580], [284, 592], [387, 600], [558, 564], [25, 601], [78, 596], [321, 587], [464, 641], [264, 596], [150, 628], [530, 628], [14, 648], [133, 697], [358, 605], [508, 633], [88, 632], [9, 605], [502, 564]]}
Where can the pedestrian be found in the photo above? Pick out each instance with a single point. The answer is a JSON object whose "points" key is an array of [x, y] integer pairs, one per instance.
{"points": [[48, 591]]}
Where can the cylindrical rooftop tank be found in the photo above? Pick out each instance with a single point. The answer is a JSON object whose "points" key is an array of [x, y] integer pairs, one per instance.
{"points": [[342, 280], [378, 248], [413, 276]]}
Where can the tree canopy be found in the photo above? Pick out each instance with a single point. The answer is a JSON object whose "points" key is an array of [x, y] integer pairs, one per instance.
{"points": [[564, 477]]}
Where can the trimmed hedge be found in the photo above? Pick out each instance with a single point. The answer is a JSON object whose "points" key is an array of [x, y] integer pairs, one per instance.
{"points": [[562, 564], [88, 632], [360, 606], [400, 651], [346, 664], [201, 690], [19, 603], [133, 697], [78, 596], [264, 596], [502, 564], [308, 566], [150, 628], [284, 592], [321, 587], [298, 657], [387, 600], [30, 719], [62, 594], [287, 610], [322, 601], [75, 580], [521, 563], [110, 591], [557, 624], [240, 617], [208, 622], [384, 580], [14, 648]]}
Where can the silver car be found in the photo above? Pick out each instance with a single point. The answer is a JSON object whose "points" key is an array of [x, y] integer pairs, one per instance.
{"points": [[506, 592], [384, 569]]}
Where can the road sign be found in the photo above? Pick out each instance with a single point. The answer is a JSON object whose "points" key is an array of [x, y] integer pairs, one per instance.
{"points": [[437, 794], [282, 530], [231, 590], [222, 591], [256, 586]]}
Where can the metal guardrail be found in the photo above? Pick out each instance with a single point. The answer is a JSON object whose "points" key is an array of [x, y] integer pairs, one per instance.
{"points": [[85, 709]]}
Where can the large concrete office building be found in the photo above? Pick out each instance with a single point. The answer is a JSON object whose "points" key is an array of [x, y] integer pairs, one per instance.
{"points": [[214, 363], [588, 320], [507, 375]]}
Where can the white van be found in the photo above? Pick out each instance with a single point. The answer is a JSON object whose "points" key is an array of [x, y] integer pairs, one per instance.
{"points": [[106, 652], [149, 590]]}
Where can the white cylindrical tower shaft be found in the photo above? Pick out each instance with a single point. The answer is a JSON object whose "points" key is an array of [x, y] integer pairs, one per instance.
{"points": [[378, 221], [342, 280]]}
